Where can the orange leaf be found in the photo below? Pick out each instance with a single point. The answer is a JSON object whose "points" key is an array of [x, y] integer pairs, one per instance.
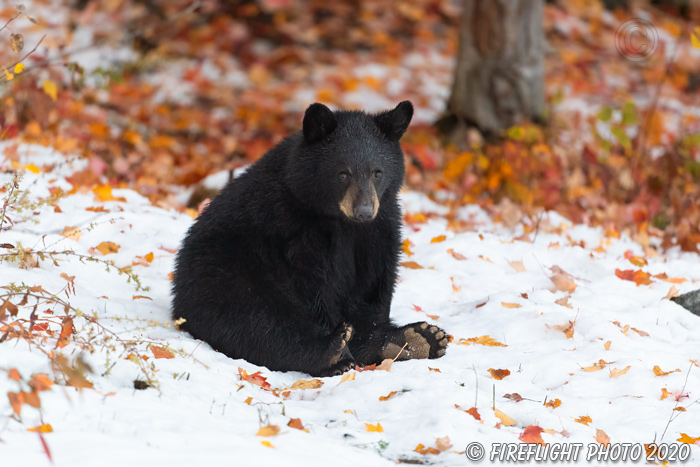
{"points": [[474, 413], [665, 393], [161, 352], [483, 340], [553, 404], [307, 384], [505, 419], [688, 439], [517, 265], [16, 400], [585, 420], [66, 331], [45, 428], [499, 374], [296, 424], [107, 248], [423, 450], [269, 430], [14, 374], [376, 428], [443, 444], [103, 193], [254, 378], [410, 265], [388, 396], [639, 277], [659, 372], [510, 305], [532, 435], [40, 382], [348, 377], [149, 257], [602, 437], [438, 239], [406, 247]]}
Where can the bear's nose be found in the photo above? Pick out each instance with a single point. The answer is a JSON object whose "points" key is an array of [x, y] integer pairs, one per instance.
{"points": [[363, 213]]}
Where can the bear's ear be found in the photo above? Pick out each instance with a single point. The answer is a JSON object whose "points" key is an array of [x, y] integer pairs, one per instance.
{"points": [[319, 121], [394, 123]]}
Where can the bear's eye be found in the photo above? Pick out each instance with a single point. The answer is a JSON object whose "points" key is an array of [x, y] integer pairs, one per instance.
{"points": [[378, 174], [343, 175]]}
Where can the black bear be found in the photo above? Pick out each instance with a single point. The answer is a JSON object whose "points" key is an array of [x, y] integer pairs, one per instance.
{"points": [[293, 265]]}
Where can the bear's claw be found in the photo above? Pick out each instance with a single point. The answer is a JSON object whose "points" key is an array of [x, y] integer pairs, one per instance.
{"points": [[417, 340]]}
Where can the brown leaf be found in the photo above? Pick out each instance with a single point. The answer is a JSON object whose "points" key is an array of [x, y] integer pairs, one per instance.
{"points": [[514, 397], [499, 374], [456, 255], [296, 424], [564, 301], [16, 43], [443, 444], [9, 307], [66, 331], [510, 305], [552, 404]]}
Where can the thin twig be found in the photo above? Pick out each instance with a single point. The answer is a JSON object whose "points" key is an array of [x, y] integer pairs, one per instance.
{"points": [[672, 418]]}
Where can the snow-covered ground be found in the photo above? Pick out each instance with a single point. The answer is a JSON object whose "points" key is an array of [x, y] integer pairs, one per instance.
{"points": [[518, 289]]}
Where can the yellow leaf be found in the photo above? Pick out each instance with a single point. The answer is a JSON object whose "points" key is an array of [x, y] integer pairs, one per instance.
{"points": [[107, 248], [615, 372], [595, 367], [16, 43], [387, 397], [50, 88], [510, 305], [438, 239], [32, 168], [149, 257], [269, 430], [505, 419], [695, 37], [249, 400], [19, 68], [9, 76], [103, 193], [377, 428], [267, 444], [607, 345], [45, 428]]}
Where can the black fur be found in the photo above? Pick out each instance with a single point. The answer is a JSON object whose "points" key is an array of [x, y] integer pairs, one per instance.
{"points": [[273, 272]]}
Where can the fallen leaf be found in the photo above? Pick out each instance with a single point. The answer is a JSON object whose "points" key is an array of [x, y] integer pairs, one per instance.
{"points": [[269, 430], [388, 396], [602, 437], [423, 450], [436, 370], [255, 378], [438, 239], [659, 372], [350, 376], [474, 413], [664, 393], [149, 257], [296, 424], [607, 345], [552, 404], [638, 276], [505, 419], [411, 265], [499, 374], [564, 301], [374, 428], [406, 247], [50, 88], [595, 367], [584, 420], [66, 331], [532, 435], [483, 340], [688, 439], [16, 400], [672, 292], [267, 444], [562, 280], [45, 428], [107, 248], [514, 397], [517, 265], [456, 255], [385, 365], [161, 352], [510, 305], [443, 444], [14, 374], [307, 384]]}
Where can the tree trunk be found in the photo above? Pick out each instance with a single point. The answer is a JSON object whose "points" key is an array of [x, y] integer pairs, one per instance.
{"points": [[499, 77]]}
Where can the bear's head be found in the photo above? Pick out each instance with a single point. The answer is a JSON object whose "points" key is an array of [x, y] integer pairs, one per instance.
{"points": [[347, 162]]}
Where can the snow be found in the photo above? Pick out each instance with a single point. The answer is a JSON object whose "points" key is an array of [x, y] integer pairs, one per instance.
{"points": [[198, 411]]}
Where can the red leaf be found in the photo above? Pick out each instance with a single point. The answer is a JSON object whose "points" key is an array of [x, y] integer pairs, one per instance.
{"points": [[638, 276], [532, 434]]}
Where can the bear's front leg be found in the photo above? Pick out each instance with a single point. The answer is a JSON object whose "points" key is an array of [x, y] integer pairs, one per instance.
{"points": [[338, 354], [417, 340]]}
